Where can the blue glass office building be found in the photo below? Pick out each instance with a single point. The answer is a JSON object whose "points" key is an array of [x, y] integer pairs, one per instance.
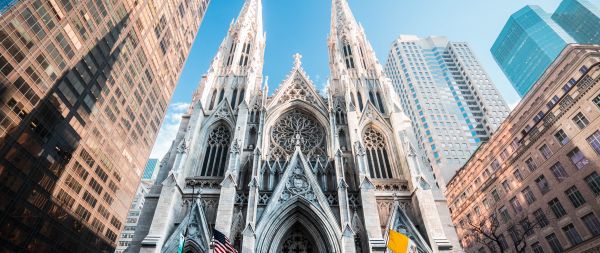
{"points": [[581, 19], [533, 38], [528, 44], [149, 170]]}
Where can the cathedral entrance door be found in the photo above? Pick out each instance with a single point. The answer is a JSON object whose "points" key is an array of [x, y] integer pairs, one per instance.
{"points": [[297, 240]]}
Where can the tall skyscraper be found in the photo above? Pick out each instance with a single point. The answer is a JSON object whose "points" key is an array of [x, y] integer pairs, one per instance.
{"points": [[84, 88], [451, 101], [532, 39], [135, 210], [294, 171], [579, 18], [150, 169], [527, 45]]}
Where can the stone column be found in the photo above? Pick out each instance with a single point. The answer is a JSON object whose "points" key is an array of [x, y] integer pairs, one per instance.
{"points": [[347, 233], [163, 220], [249, 235], [369, 204]]}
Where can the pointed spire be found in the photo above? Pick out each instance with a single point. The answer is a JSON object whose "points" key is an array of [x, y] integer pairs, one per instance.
{"points": [[241, 53], [251, 16], [341, 16]]}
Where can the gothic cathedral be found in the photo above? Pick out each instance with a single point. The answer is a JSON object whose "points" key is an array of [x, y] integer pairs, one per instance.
{"points": [[296, 171]]}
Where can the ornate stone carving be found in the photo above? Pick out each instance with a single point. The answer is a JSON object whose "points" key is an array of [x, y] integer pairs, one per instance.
{"points": [[182, 148], [235, 147], [374, 139], [297, 128], [298, 185], [298, 90]]}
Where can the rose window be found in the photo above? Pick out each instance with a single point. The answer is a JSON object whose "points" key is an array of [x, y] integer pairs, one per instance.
{"points": [[297, 128]]}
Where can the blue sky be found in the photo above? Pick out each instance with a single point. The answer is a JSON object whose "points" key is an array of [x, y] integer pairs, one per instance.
{"points": [[303, 26]]}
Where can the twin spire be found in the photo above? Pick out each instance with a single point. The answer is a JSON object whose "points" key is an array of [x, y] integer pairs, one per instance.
{"points": [[242, 50]]}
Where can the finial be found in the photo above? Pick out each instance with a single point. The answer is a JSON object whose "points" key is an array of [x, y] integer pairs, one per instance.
{"points": [[297, 60]]}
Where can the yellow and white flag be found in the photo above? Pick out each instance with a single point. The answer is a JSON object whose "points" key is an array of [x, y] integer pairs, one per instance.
{"points": [[400, 243]]}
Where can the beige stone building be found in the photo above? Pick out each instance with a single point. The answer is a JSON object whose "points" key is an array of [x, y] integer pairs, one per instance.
{"points": [[536, 184], [84, 86]]}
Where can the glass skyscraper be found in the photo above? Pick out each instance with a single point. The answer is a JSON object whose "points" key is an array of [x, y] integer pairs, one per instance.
{"points": [[533, 38], [448, 96], [151, 167], [581, 19], [527, 45], [84, 86]]}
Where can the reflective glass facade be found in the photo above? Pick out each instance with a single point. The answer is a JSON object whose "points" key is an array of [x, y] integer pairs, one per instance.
{"points": [[527, 45], [581, 19], [532, 39], [84, 86], [151, 167], [448, 96]]}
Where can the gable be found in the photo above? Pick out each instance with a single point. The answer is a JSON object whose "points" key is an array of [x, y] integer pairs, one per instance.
{"points": [[297, 86]]}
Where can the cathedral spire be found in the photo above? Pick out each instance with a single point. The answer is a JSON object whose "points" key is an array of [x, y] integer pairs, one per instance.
{"points": [[236, 70], [350, 51]]}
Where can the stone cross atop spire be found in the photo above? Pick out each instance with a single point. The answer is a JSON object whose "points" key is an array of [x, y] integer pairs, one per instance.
{"points": [[297, 60]]}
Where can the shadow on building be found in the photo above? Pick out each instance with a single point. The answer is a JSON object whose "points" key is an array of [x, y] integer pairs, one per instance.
{"points": [[35, 215]]}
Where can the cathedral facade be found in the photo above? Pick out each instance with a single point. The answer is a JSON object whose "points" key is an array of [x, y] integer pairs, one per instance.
{"points": [[295, 171]]}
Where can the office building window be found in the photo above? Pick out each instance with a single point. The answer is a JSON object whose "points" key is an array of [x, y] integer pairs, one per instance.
{"points": [[591, 222], [537, 248], [580, 120], [514, 202], [575, 196], [557, 208], [572, 234], [593, 181], [545, 151], [542, 183], [594, 141], [559, 172], [541, 218], [531, 165], [518, 176], [561, 137], [528, 195], [578, 159], [554, 243]]}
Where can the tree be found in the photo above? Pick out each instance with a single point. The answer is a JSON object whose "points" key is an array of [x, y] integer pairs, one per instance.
{"points": [[489, 228]]}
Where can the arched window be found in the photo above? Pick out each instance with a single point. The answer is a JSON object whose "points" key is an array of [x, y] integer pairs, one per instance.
{"points": [[241, 97], [348, 56], [212, 100], [252, 138], [245, 55], [380, 102], [372, 97], [360, 101], [377, 155], [340, 116], [231, 54], [362, 56], [233, 97], [343, 140], [217, 149], [221, 95]]}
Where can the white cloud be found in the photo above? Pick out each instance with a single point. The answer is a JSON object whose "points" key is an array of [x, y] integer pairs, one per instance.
{"points": [[168, 130]]}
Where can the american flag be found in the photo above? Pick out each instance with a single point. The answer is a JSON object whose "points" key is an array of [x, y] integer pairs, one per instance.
{"points": [[222, 243]]}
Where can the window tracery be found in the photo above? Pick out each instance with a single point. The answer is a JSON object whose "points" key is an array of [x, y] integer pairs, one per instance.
{"points": [[297, 128], [377, 155], [217, 149]]}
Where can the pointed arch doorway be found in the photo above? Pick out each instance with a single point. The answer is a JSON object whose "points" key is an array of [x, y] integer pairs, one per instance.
{"points": [[297, 240]]}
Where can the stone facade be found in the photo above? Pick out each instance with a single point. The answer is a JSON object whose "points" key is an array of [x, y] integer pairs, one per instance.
{"points": [[296, 170], [536, 182]]}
